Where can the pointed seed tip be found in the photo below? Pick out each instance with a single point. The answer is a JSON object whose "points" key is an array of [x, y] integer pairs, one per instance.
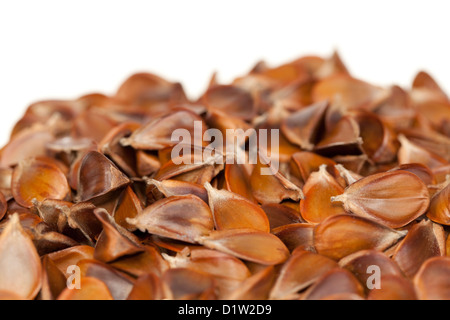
{"points": [[338, 198]]}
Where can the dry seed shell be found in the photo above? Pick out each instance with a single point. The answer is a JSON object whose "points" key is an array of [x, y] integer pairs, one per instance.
{"points": [[147, 261], [424, 240], [20, 265], [177, 217], [393, 287], [90, 289], [439, 211], [393, 198], [114, 241], [280, 214], [432, 281], [157, 134], [232, 211], [27, 144], [359, 262], [296, 235], [336, 281], [53, 280], [318, 189], [119, 284], [171, 187], [271, 186], [299, 272], [98, 176], [128, 206], [302, 127], [248, 244], [256, 287], [40, 179], [187, 284], [147, 287], [339, 236], [71, 256]]}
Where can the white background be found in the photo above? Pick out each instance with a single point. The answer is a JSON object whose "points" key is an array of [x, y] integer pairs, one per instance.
{"points": [[64, 49]]}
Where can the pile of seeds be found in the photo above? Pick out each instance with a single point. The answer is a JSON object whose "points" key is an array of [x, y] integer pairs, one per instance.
{"points": [[93, 204]]}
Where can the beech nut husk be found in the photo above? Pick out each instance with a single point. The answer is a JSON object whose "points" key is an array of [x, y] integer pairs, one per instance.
{"points": [[295, 181]]}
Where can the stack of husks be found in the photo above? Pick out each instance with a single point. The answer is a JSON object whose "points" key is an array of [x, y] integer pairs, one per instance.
{"points": [[94, 206]]}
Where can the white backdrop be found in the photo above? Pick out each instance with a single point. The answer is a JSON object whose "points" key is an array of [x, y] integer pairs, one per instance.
{"points": [[61, 49]]}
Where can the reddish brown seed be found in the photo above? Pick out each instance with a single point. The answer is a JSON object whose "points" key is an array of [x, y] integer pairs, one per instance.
{"points": [[425, 87], [353, 163], [280, 214], [303, 163], [424, 240], [396, 110], [219, 264], [90, 289], [228, 271], [183, 218], [336, 281], [359, 263], [128, 206], [432, 281], [344, 138], [223, 121], [20, 265], [303, 127], [114, 241], [379, 140], [393, 198], [98, 176], [93, 123], [54, 212], [409, 152], [145, 88], [232, 211], [149, 260], [68, 148], [248, 244], [301, 270], [393, 287], [157, 134], [40, 179], [352, 93], [118, 283], [339, 236], [53, 280], [187, 284], [270, 186], [110, 145], [420, 170], [71, 256], [147, 287], [27, 144], [235, 101], [146, 164], [83, 225], [170, 187], [434, 111], [439, 210], [256, 287], [47, 241], [318, 189], [191, 168], [237, 180], [430, 140], [296, 235]]}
